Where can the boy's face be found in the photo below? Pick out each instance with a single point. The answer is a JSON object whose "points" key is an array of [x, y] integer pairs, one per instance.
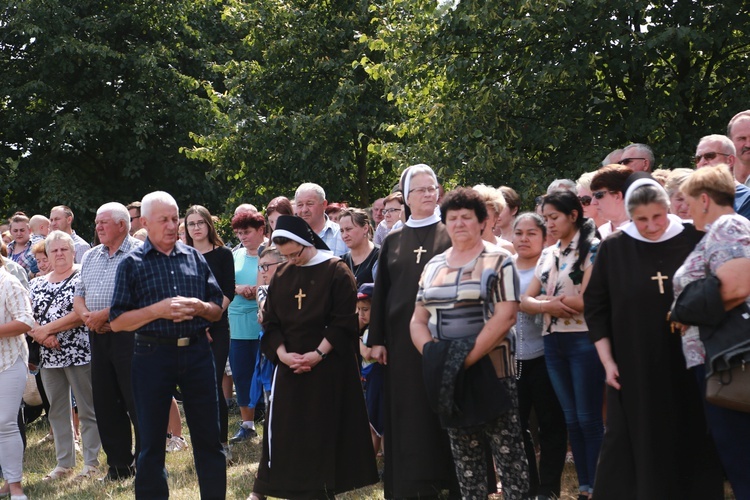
{"points": [[363, 311]]}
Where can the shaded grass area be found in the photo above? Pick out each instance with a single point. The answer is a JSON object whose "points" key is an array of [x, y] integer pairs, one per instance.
{"points": [[39, 460]]}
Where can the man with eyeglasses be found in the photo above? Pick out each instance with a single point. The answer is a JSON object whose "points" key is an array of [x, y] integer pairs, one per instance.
{"points": [[716, 150], [638, 158], [310, 204], [135, 217], [738, 131]]}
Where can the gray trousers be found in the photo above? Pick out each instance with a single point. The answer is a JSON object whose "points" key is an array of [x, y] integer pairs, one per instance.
{"points": [[57, 385], [12, 385]]}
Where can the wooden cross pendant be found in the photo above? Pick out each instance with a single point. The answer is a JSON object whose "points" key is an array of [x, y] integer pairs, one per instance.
{"points": [[659, 277], [299, 298], [419, 251]]}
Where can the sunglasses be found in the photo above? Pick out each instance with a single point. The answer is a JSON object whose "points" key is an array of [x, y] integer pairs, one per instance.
{"points": [[585, 200], [708, 156], [626, 161], [599, 194]]}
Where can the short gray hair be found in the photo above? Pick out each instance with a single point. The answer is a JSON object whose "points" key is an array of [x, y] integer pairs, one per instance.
{"points": [[156, 197], [645, 195], [562, 184], [641, 147], [59, 236], [725, 142], [119, 212], [311, 186]]}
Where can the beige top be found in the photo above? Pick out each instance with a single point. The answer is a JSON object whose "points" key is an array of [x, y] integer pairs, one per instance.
{"points": [[14, 305]]}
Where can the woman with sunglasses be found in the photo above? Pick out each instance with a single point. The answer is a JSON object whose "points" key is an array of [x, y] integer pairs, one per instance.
{"points": [[608, 196], [201, 234], [583, 188], [556, 290]]}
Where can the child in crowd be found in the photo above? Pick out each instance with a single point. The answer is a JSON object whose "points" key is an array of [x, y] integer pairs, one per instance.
{"points": [[372, 371], [269, 260]]}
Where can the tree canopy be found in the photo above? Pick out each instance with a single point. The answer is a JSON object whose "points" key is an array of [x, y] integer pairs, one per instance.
{"points": [[225, 101]]}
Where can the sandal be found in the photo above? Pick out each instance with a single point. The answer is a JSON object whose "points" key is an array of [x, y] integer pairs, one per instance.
{"points": [[58, 473]]}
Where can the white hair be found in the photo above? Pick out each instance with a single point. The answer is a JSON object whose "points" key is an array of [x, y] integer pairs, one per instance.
{"points": [[562, 185], [59, 236], [725, 141], [156, 197], [118, 212], [311, 186], [646, 151]]}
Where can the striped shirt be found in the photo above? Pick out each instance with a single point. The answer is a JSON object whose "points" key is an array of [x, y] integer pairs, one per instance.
{"points": [[458, 297]]}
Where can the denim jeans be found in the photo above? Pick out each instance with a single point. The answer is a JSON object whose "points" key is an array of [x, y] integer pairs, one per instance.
{"points": [[157, 370], [731, 432], [578, 376], [242, 356]]}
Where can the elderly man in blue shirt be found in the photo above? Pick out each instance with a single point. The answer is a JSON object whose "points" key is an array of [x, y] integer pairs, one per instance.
{"points": [[166, 294]]}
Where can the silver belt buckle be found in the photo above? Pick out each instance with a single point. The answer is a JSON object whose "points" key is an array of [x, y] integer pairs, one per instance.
{"points": [[183, 341]]}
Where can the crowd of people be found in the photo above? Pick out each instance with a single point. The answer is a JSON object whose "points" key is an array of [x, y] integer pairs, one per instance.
{"points": [[467, 343]]}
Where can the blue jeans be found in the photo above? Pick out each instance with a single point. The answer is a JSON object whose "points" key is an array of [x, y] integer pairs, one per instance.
{"points": [[157, 370], [242, 357], [731, 432], [578, 376]]}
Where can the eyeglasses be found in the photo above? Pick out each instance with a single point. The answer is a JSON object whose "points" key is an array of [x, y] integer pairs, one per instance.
{"points": [[198, 223], [295, 255], [708, 156], [599, 194], [585, 200], [424, 190], [626, 161], [134, 218], [387, 211], [266, 267]]}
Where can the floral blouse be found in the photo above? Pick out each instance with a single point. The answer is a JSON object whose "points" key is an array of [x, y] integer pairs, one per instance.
{"points": [[727, 238], [555, 272], [74, 343]]}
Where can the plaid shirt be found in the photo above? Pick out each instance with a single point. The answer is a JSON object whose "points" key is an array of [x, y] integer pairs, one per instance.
{"points": [[146, 276], [98, 271], [24, 259]]}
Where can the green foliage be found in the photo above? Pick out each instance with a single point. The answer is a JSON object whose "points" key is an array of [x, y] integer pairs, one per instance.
{"points": [[99, 96], [297, 106], [519, 93]]}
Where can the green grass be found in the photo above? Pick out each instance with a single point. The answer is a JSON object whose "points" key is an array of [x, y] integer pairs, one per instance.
{"points": [[39, 460]]}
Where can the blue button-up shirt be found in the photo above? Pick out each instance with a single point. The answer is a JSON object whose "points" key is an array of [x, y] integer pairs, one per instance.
{"points": [[146, 276]]}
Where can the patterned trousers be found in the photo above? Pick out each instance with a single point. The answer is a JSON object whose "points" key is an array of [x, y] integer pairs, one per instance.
{"points": [[504, 438]]}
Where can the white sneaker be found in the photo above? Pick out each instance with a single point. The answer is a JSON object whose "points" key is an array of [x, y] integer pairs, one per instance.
{"points": [[176, 443]]}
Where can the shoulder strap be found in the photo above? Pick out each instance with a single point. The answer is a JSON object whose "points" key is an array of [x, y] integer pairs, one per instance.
{"points": [[44, 313]]}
